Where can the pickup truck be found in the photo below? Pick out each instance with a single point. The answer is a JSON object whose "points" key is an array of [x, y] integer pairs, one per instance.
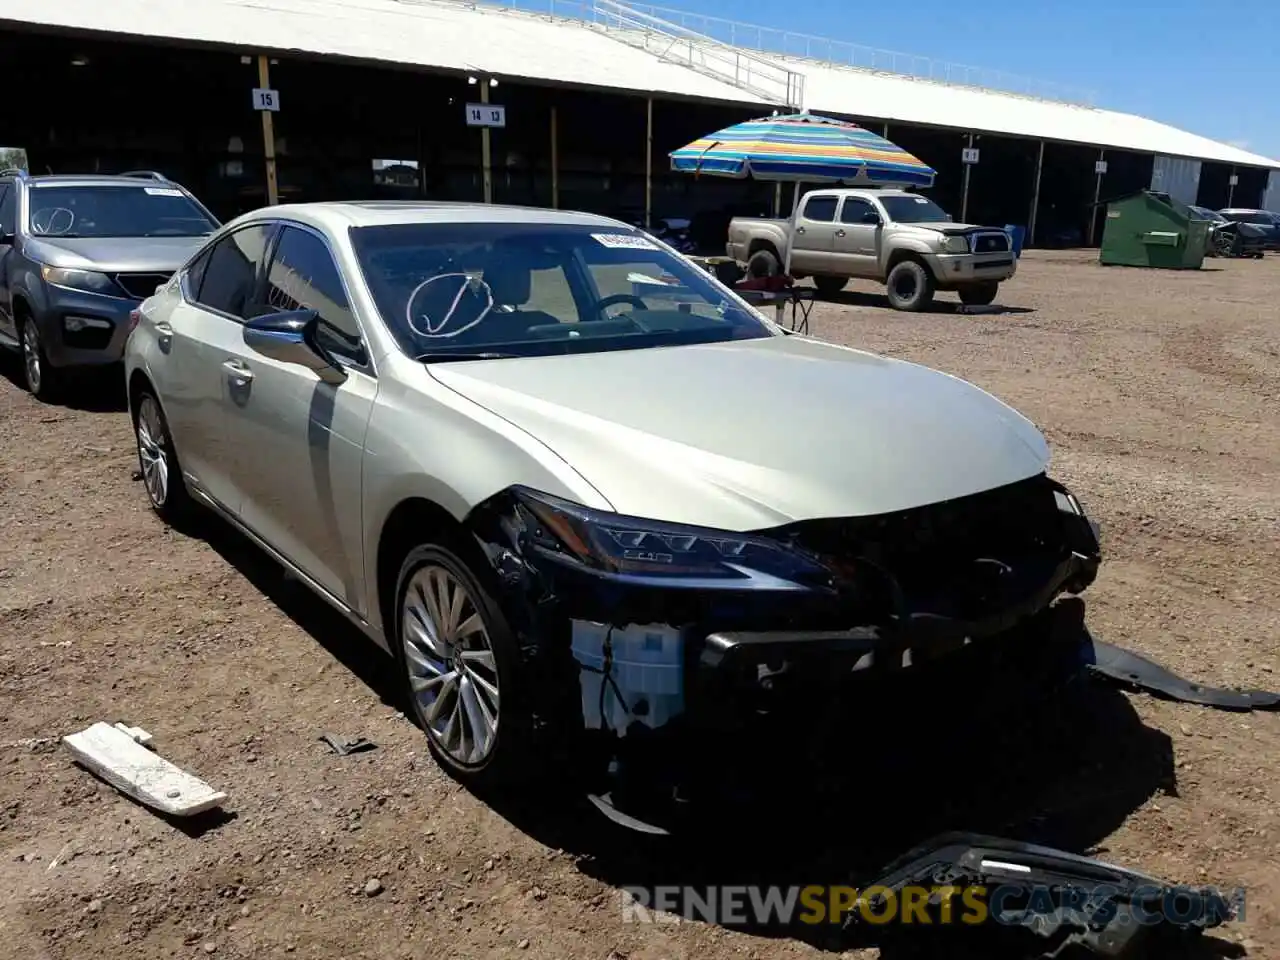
{"points": [[895, 237]]}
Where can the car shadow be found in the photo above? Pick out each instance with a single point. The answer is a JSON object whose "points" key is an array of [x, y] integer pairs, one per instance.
{"points": [[92, 391], [1065, 772], [859, 298]]}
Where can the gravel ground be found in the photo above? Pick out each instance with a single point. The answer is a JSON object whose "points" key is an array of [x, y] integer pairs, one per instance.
{"points": [[1160, 394]]}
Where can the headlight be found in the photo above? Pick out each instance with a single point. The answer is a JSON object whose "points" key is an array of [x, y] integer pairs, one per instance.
{"points": [[86, 280], [663, 553], [956, 244]]}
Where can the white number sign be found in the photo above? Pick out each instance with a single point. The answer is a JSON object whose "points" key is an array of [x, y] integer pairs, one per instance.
{"points": [[486, 115], [1100, 167], [266, 99], [969, 154]]}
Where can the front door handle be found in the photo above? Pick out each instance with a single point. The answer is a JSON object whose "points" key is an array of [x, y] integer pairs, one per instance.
{"points": [[237, 371], [840, 233], [163, 328]]}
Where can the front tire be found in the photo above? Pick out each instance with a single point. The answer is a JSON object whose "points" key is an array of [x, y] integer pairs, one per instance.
{"points": [[978, 294], [158, 461], [459, 662], [43, 380], [910, 286]]}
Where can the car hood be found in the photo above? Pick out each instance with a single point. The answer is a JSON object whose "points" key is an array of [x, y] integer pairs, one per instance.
{"points": [[941, 226], [751, 434], [115, 254]]}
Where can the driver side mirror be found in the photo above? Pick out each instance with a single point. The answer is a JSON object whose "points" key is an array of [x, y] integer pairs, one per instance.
{"points": [[290, 337]]}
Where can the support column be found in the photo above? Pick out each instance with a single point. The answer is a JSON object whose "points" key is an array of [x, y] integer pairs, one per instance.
{"points": [[268, 133], [648, 164], [1231, 188], [964, 189], [555, 162], [485, 154], [1035, 198], [885, 133], [1097, 195]]}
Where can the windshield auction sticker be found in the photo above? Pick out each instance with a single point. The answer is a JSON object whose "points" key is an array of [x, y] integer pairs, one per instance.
{"points": [[624, 241]]}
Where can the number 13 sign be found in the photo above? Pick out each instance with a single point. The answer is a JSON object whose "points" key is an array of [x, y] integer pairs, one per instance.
{"points": [[486, 115]]}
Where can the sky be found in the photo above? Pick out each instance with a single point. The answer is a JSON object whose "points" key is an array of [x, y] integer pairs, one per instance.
{"points": [[1211, 68]]}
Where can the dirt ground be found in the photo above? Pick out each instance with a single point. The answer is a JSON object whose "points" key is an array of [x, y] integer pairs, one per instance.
{"points": [[1160, 394]]}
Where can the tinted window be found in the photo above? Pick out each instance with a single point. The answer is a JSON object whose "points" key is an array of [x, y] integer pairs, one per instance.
{"points": [[1261, 219], [855, 209], [8, 208], [820, 208], [533, 289], [229, 274], [57, 210], [304, 276], [911, 208]]}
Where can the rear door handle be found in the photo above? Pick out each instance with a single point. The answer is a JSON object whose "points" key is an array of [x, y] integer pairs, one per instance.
{"points": [[237, 371], [840, 233], [163, 328]]}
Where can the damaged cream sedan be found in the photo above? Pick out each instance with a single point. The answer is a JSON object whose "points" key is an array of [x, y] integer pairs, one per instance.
{"points": [[564, 476]]}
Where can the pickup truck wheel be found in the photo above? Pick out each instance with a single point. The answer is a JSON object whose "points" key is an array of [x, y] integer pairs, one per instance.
{"points": [[978, 294], [910, 286], [763, 263], [829, 286]]}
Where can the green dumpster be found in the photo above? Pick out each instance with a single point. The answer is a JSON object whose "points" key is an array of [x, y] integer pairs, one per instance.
{"points": [[1151, 229]]}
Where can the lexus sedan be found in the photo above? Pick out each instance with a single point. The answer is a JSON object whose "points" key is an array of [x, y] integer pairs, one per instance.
{"points": [[577, 487]]}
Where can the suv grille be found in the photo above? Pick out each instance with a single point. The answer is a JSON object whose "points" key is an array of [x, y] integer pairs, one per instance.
{"points": [[141, 285], [991, 243]]}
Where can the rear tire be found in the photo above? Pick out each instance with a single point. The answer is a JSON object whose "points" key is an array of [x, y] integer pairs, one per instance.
{"points": [[158, 461], [829, 286], [910, 286], [979, 294], [763, 263], [460, 670]]}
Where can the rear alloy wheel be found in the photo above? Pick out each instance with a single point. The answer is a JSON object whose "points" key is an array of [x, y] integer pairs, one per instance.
{"points": [[829, 286], [910, 286], [158, 461], [763, 263], [42, 379], [458, 657], [978, 294]]}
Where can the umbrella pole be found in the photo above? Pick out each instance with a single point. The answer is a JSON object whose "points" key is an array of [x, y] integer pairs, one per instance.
{"points": [[791, 241]]}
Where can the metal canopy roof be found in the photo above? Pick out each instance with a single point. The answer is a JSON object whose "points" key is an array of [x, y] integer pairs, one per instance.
{"points": [[537, 47]]}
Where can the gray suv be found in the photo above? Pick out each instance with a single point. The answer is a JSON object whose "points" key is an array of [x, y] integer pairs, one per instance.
{"points": [[77, 255]]}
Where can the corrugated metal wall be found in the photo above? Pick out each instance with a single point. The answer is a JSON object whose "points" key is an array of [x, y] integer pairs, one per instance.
{"points": [[1271, 199], [1176, 176]]}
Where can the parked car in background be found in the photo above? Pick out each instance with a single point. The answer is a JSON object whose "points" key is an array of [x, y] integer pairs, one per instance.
{"points": [[1264, 220], [77, 254], [1228, 238], [901, 239], [547, 464]]}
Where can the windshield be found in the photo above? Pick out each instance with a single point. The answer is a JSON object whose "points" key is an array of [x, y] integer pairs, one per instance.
{"points": [[913, 209], [511, 289], [1258, 217], [58, 210]]}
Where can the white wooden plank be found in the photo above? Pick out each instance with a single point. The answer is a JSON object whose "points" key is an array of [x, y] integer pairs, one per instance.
{"points": [[134, 770]]}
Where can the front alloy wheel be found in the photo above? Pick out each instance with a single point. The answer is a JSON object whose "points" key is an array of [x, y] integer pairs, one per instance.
{"points": [[453, 674], [41, 378]]}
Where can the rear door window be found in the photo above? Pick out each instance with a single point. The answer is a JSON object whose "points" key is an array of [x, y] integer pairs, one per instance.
{"points": [[231, 271], [821, 209], [8, 208]]}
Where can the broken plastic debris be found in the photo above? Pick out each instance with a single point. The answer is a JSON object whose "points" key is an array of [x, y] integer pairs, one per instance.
{"points": [[343, 746]]}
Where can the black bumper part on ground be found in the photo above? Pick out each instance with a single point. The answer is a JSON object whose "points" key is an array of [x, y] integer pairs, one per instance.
{"points": [[1052, 901]]}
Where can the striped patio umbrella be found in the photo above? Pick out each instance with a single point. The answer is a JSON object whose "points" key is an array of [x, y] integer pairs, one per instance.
{"points": [[802, 147]]}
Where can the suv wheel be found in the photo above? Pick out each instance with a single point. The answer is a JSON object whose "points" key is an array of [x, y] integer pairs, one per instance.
{"points": [[910, 286], [42, 379], [979, 294], [161, 474], [459, 660]]}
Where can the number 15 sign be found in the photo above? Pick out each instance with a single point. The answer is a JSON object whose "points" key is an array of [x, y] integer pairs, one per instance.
{"points": [[486, 115]]}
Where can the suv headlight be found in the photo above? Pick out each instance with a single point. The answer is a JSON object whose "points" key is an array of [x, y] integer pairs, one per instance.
{"points": [[664, 554], [86, 280], [955, 244]]}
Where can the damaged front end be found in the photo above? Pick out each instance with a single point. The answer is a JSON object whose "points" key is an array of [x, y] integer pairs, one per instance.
{"points": [[655, 643]]}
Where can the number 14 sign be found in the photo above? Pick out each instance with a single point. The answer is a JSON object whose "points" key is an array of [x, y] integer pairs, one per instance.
{"points": [[486, 115]]}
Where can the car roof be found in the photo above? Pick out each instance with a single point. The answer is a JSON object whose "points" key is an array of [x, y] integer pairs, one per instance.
{"points": [[95, 180], [339, 215]]}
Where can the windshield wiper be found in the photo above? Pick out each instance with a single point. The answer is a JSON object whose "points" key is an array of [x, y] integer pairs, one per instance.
{"points": [[443, 356]]}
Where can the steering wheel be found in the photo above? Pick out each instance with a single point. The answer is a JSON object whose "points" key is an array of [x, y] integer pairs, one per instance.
{"points": [[616, 298]]}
